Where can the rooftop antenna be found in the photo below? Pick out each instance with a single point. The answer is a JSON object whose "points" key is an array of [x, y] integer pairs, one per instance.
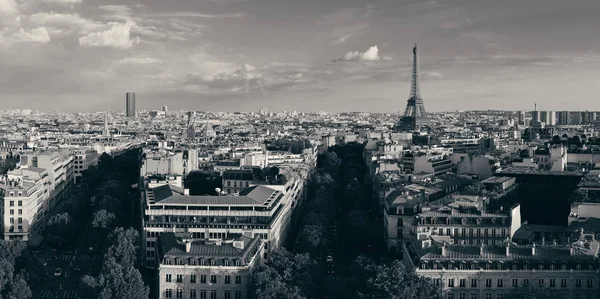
{"points": [[534, 106]]}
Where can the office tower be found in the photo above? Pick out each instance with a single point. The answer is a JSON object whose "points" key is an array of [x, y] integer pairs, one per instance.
{"points": [[130, 104], [414, 114], [521, 118]]}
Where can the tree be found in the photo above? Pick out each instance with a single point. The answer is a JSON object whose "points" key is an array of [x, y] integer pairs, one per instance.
{"points": [[556, 140], [267, 283], [579, 195], [19, 288], [531, 292], [311, 238], [203, 183], [121, 281], [394, 281], [56, 219], [103, 219], [296, 270]]}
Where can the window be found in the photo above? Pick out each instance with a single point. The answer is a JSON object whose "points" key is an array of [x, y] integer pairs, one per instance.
{"points": [[193, 294], [461, 296], [451, 282], [462, 282], [20, 211], [238, 279], [577, 296], [590, 283], [202, 294], [473, 283], [578, 283], [12, 203], [540, 281], [500, 283], [552, 283], [499, 296], [238, 294], [213, 294], [193, 278], [450, 295], [202, 278], [515, 282], [227, 279], [488, 296], [179, 294], [213, 279], [179, 278], [168, 293], [488, 283], [227, 294], [12, 212], [563, 283], [168, 278], [473, 296], [525, 282]]}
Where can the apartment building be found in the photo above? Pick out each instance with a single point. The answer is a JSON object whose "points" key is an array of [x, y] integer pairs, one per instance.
{"points": [[473, 272], [207, 269], [60, 167], [235, 181], [435, 162], [84, 159], [24, 197], [263, 209], [468, 251]]}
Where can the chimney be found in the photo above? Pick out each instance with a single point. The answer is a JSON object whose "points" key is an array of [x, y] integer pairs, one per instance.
{"points": [[188, 245], [508, 249], [186, 191], [533, 250], [571, 250], [444, 250]]}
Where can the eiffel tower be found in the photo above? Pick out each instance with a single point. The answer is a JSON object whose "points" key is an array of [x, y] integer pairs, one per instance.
{"points": [[415, 115]]}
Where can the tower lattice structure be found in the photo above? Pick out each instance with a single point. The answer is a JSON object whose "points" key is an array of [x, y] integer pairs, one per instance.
{"points": [[415, 114]]}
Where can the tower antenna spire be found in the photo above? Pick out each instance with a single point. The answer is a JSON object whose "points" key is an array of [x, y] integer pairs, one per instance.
{"points": [[414, 114]]}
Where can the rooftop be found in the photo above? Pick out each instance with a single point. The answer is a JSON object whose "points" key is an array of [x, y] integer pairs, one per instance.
{"points": [[255, 195]]}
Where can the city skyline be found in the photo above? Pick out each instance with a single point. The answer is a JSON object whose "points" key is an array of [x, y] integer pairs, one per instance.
{"points": [[242, 55]]}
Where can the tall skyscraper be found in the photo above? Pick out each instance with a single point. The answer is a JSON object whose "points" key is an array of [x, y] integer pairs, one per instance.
{"points": [[130, 104], [414, 115]]}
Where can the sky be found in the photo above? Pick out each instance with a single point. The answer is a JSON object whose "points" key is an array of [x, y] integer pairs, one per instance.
{"points": [[291, 55]]}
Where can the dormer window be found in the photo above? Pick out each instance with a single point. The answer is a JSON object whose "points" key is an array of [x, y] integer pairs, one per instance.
{"points": [[503, 220], [464, 221], [213, 263], [11, 193], [20, 193], [478, 221], [432, 220], [238, 263], [494, 220], [448, 221]]}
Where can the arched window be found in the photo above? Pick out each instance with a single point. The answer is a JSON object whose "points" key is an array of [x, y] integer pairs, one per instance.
{"points": [[448, 221], [478, 221], [494, 220], [464, 221]]}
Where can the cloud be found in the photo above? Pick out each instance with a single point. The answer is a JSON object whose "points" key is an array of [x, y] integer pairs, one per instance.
{"points": [[140, 60], [117, 36], [70, 21], [64, 2], [9, 12], [38, 35], [197, 15], [372, 54], [246, 78]]}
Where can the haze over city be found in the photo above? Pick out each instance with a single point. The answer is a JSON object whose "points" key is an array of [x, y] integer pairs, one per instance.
{"points": [[232, 55]]}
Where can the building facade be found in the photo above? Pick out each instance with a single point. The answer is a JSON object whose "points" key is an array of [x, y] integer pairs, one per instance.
{"points": [[24, 195], [207, 269]]}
